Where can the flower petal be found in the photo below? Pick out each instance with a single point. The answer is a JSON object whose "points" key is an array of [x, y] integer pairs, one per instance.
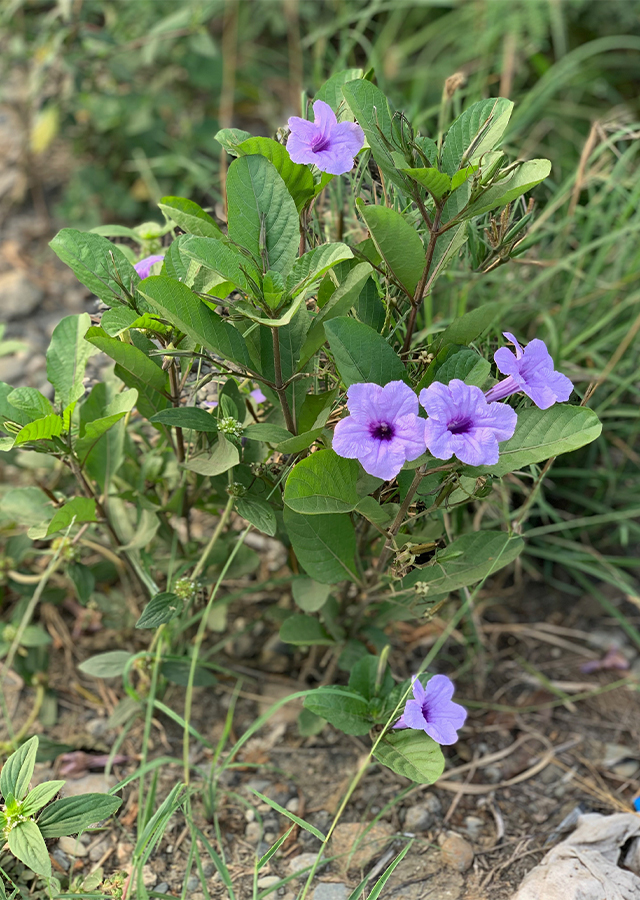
{"points": [[352, 438], [413, 715], [419, 691], [324, 118]]}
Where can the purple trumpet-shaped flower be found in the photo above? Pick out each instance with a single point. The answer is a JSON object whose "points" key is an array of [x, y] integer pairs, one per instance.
{"points": [[530, 371], [462, 423], [257, 395], [433, 711], [326, 143], [383, 430], [143, 267]]}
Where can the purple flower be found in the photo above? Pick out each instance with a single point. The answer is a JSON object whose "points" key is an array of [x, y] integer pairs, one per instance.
{"points": [[383, 430], [433, 711], [257, 395], [462, 423], [324, 143], [530, 371], [143, 267]]}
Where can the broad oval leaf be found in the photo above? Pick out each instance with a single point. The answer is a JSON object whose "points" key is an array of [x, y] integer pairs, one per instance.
{"points": [[525, 177], [217, 256], [398, 243], [67, 357], [314, 264], [298, 179], [541, 434], [437, 183], [160, 609], [130, 358], [304, 631], [26, 842], [18, 770], [74, 814], [412, 754], [324, 545], [308, 594], [78, 509], [106, 665], [97, 263], [190, 417], [40, 796], [262, 215], [223, 457], [371, 110], [40, 430], [341, 707], [31, 401], [258, 513], [361, 354], [322, 483], [467, 560], [465, 364], [475, 132], [190, 217]]}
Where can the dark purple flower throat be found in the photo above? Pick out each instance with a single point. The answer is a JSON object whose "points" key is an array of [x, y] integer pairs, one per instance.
{"points": [[382, 431], [460, 426]]}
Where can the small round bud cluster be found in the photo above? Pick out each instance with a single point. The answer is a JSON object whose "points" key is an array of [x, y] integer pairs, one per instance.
{"points": [[228, 425], [236, 489], [422, 588], [8, 633], [65, 548], [185, 588]]}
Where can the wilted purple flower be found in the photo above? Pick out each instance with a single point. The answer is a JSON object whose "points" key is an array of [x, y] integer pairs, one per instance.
{"points": [[325, 143], [383, 430], [462, 423], [143, 267], [530, 371], [257, 395], [433, 711]]}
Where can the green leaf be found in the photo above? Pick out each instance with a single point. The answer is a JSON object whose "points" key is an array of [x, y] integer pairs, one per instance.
{"points": [[437, 183], [74, 814], [363, 678], [130, 358], [299, 442], [259, 513], [67, 357], [28, 506], [97, 263], [314, 264], [543, 433], [285, 812], [265, 431], [94, 430], [339, 304], [262, 215], [398, 243], [251, 312], [106, 665], [361, 354], [31, 401], [382, 516], [465, 364], [18, 770], [309, 725], [525, 177], [8, 412], [78, 509], [369, 308], [27, 844], [40, 430], [324, 545], [40, 796], [187, 312], [467, 560], [219, 257], [316, 409], [83, 581], [222, 458], [308, 594], [190, 417], [371, 110], [231, 138], [190, 217], [341, 707], [145, 530], [160, 609], [304, 631], [412, 754], [331, 90], [447, 245], [322, 483], [116, 320], [297, 178], [472, 325], [476, 131]]}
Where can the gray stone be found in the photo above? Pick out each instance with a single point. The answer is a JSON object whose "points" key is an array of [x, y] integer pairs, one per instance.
{"points": [[418, 818], [19, 296], [149, 877], [268, 881], [298, 863], [474, 826], [331, 890], [61, 858], [161, 888], [253, 832], [193, 882], [97, 852], [456, 852]]}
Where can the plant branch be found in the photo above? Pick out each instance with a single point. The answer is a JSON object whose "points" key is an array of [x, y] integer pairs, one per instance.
{"points": [[418, 297], [279, 384]]}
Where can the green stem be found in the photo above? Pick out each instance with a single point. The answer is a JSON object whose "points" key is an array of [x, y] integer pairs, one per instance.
{"points": [[418, 296], [279, 384]]}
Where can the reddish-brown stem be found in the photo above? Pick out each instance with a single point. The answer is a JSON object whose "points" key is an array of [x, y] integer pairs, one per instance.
{"points": [[416, 303], [280, 389]]}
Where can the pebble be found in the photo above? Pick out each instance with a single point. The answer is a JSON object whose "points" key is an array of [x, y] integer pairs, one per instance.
{"points": [[331, 890], [252, 832], [418, 818], [293, 805], [61, 858], [161, 888], [20, 297], [298, 863], [124, 851], [372, 844], [98, 850], [474, 826], [193, 882], [456, 852], [149, 877], [268, 881], [72, 847]]}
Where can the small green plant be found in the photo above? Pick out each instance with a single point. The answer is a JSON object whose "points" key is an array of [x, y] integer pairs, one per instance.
{"points": [[29, 817]]}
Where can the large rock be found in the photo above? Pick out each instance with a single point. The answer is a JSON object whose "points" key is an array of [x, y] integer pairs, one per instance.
{"points": [[347, 834], [19, 297]]}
